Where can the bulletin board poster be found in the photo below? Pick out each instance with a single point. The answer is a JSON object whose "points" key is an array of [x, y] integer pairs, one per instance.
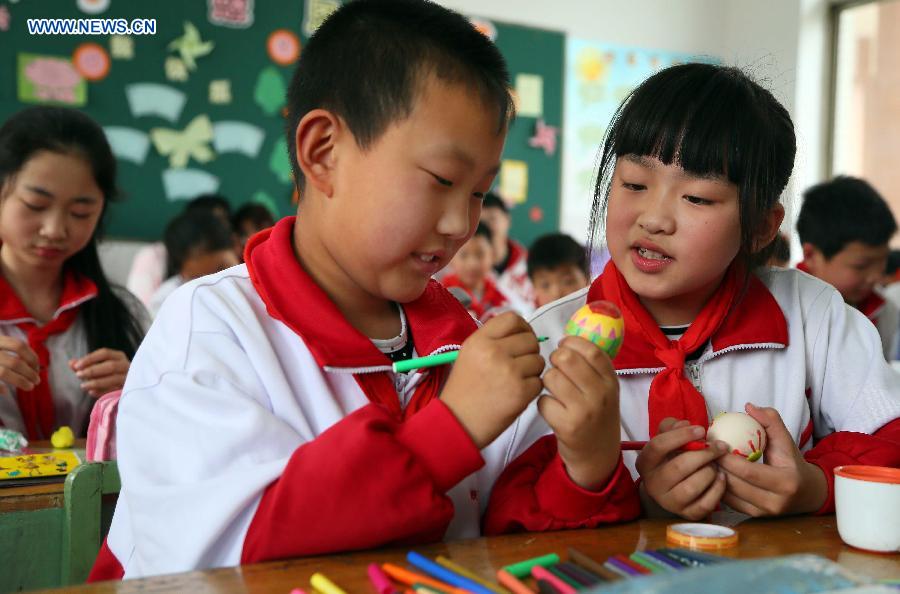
{"points": [[598, 77]]}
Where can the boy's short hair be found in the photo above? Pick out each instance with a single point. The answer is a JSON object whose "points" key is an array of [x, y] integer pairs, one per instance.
{"points": [[259, 215], [194, 231], [556, 249], [366, 63], [492, 200], [484, 231], [209, 203], [841, 211]]}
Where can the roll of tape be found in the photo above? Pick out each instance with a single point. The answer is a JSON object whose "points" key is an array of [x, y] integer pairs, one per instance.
{"points": [[705, 537]]}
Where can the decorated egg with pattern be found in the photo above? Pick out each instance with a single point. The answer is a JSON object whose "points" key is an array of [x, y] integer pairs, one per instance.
{"points": [[600, 322], [743, 434]]}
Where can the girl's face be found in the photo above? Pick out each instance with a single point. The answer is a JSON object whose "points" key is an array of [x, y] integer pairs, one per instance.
{"points": [[672, 234], [48, 210], [473, 262]]}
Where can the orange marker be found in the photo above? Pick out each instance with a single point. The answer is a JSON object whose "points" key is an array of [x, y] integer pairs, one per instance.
{"points": [[510, 581], [409, 578]]}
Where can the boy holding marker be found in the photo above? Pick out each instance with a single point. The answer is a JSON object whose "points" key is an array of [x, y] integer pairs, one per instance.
{"points": [[262, 419]]}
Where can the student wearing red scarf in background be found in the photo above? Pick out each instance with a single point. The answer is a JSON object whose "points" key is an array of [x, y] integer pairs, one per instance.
{"points": [[687, 194], [66, 335], [845, 226]]}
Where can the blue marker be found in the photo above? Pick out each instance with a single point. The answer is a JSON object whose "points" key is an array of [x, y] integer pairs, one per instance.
{"points": [[442, 573]]}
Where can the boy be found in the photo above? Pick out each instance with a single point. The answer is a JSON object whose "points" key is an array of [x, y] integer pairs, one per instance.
{"points": [[262, 420], [510, 256], [557, 266], [844, 227], [471, 268]]}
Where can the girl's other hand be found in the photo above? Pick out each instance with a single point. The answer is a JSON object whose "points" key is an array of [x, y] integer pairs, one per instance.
{"points": [[687, 484], [19, 365], [784, 484], [102, 371]]}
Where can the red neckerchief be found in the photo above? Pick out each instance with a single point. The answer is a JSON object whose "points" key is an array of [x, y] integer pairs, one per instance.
{"points": [[435, 319], [725, 320], [516, 252], [870, 306], [36, 406], [491, 296]]}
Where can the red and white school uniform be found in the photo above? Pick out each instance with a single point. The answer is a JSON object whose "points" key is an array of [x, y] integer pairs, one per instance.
{"points": [[513, 280], [491, 297], [58, 399], [791, 343], [256, 423]]}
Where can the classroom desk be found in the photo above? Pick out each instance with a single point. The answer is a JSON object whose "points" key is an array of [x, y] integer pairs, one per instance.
{"points": [[35, 497], [758, 538]]}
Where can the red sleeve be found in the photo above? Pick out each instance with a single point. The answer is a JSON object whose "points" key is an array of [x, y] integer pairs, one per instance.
{"points": [[367, 481], [535, 493], [846, 447]]}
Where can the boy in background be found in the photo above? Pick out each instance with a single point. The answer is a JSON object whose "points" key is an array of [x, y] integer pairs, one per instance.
{"points": [[262, 419], [844, 227], [472, 266], [510, 256], [557, 266]]}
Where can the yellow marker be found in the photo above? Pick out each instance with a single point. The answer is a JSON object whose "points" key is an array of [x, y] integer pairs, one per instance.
{"points": [[468, 574], [324, 585]]}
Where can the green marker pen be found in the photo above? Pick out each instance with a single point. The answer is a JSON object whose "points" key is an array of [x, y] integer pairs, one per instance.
{"points": [[433, 360]]}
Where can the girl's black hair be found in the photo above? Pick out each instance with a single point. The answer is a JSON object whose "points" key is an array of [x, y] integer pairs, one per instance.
{"points": [[108, 321], [709, 120]]}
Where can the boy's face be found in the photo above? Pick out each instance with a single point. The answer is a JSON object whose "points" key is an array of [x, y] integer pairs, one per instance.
{"points": [[402, 208], [552, 283], [497, 221], [854, 271], [473, 262]]}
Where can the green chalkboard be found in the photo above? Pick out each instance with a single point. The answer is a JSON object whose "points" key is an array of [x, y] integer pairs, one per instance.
{"points": [[242, 139]]}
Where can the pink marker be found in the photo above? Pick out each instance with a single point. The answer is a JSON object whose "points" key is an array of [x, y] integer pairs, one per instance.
{"points": [[298, 591], [540, 573], [380, 580]]}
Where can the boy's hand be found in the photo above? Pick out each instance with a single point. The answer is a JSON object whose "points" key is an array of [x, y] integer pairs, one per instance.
{"points": [[583, 410], [102, 371], [784, 484], [687, 484], [497, 374], [19, 365]]}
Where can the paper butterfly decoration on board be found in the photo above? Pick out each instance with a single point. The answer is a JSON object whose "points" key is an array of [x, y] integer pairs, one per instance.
{"points": [[190, 47], [190, 143]]}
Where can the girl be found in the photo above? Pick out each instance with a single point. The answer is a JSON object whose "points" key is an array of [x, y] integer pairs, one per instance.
{"points": [[687, 193], [66, 335], [471, 267]]}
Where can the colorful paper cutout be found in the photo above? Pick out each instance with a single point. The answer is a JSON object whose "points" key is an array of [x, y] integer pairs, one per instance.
{"points": [[91, 60], [188, 183], [270, 90], [4, 18], [121, 47], [279, 164], [155, 99], [182, 145], [190, 47], [536, 214], [128, 144], [49, 79], [237, 137], [92, 6], [316, 12], [34, 465], [220, 92], [260, 197], [176, 71], [485, 27], [283, 47], [237, 14], [544, 137], [514, 181], [530, 92]]}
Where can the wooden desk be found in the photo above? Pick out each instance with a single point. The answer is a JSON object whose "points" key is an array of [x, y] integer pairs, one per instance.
{"points": [[36, 497], [759, 538]]}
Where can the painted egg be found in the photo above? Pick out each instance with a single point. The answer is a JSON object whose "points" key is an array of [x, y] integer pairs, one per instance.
{"points": [[741, 432], [600, 322]]}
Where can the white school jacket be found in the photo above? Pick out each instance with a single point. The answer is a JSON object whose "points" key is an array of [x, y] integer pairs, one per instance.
{"points": [[831, 376], [221, 396]]}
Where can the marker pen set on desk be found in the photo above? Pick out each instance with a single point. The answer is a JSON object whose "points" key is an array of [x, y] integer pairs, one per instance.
{"points": [[550, 574]]}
